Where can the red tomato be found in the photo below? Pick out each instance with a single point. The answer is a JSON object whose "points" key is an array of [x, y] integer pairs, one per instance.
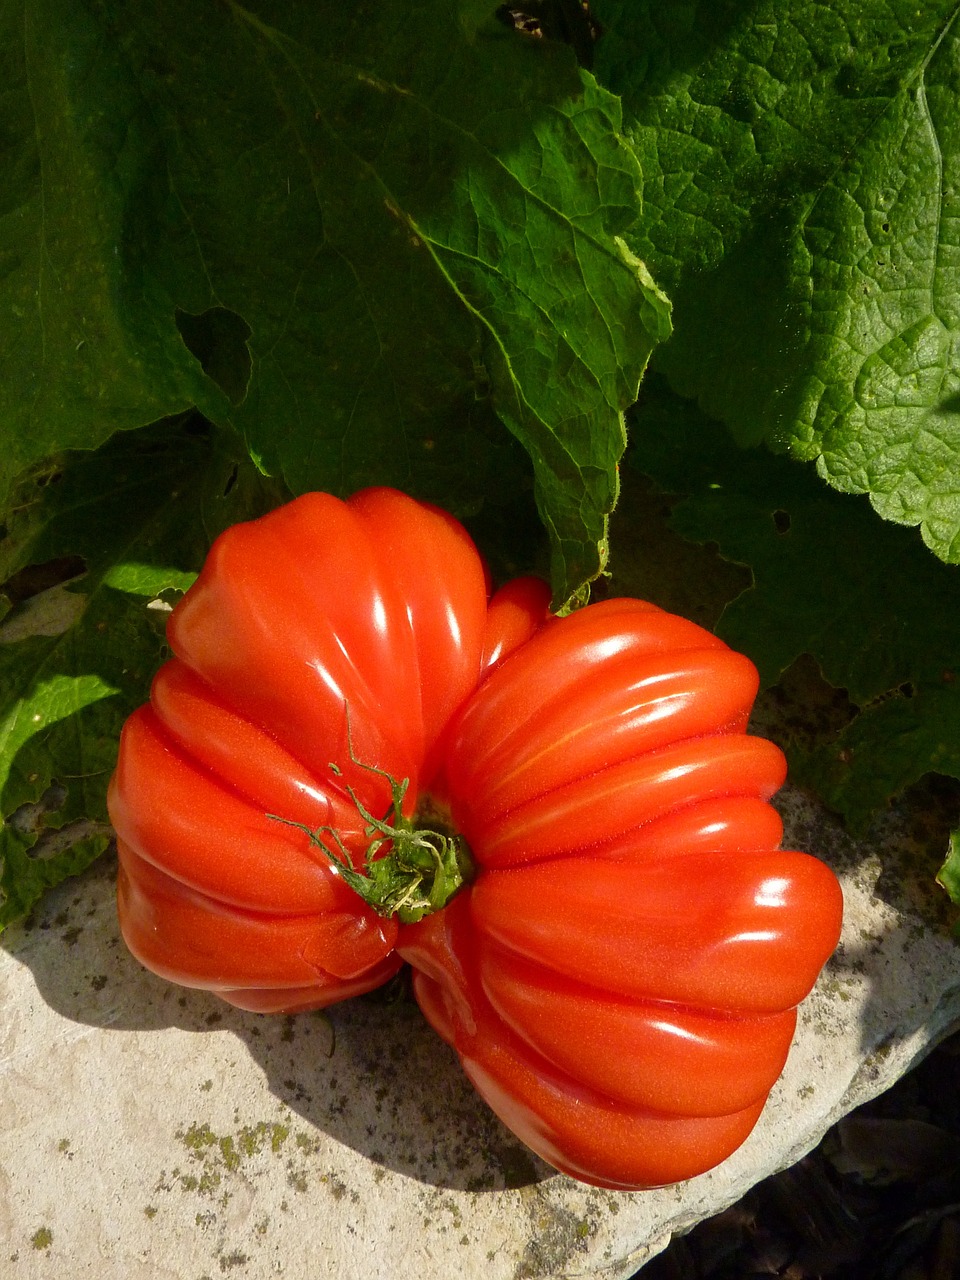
{"points": [[620, 975]]}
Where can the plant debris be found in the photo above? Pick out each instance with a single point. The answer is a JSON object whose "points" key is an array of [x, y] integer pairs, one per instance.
{"points": [[879, 1198]]}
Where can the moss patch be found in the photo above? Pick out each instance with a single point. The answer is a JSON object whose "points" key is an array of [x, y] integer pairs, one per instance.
{"points": [[42, 1238]]}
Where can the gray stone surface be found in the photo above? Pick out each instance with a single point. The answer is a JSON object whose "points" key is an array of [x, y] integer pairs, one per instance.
{"points": [[151, 1133]]}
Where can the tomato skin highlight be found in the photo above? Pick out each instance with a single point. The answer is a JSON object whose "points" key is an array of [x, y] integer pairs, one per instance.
{"points": [[515, 612], [589, 1137], [430, 558], [201, 831], [652, 1054], [751, 937], [633, 707], [620, 977], [202, 941], [605, 805]]}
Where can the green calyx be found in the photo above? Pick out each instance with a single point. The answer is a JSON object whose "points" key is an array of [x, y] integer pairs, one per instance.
{"points": [[423, 868]]}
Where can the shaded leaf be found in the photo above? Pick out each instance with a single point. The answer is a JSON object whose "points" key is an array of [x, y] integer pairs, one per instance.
{"points": [[75, 660], [878, 613]]}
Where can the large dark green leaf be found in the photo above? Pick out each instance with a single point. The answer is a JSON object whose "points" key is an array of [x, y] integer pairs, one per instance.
{"points": [[364, 235], [802, 206]]}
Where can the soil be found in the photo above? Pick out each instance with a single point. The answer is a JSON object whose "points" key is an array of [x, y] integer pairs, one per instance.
{"points": [[879, 1199]]}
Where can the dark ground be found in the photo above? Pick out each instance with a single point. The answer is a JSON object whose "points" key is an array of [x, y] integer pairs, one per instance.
{"points": [[879, 1199]]}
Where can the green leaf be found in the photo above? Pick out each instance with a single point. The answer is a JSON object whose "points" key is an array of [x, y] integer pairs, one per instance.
{"points": [[949, 874], [89, 340], [802, 205], [51, 777], [879, 614], [137, 516], [365, 236], [147, 579]]}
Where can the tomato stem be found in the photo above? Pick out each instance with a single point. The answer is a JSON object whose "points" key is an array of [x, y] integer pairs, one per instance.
{"points": [[421, 870]]}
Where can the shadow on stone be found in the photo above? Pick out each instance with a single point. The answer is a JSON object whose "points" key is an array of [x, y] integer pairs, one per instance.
{"points": [[370, 1074], [898, 963]]}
